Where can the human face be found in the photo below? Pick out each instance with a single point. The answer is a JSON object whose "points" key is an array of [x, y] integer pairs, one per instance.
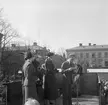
{"points": [[73, 60]]}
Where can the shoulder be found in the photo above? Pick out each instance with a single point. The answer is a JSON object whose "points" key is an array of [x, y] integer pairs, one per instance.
{"points": [[27, 63], [65, 65], [48, 61], [35, 62], [79, 66]]}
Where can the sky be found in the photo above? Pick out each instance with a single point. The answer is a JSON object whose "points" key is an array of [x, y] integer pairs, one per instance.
{"points": [[59, 23]]}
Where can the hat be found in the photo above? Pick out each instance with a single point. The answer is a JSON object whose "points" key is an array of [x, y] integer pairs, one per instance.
{"points": [[27, 55], [49, 54]]}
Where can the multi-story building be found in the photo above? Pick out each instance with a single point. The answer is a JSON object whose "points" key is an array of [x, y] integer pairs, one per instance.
{"points": [[35, 48], [93, 55], [42, 51]]}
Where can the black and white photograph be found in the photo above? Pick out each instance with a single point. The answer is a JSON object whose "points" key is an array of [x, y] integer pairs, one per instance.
{"points": [[53, 52]]}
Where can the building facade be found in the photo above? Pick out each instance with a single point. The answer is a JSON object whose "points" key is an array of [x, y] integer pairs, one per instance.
{"points": [[91, 55], [36, 49]]}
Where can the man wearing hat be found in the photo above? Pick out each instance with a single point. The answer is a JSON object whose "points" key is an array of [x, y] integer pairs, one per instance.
{"points": [[69, 64], [67, 68]]}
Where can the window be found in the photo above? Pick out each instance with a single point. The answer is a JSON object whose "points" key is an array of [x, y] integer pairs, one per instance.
{"points": [[106, 63], [81, 55], [93, 55], [99, 54], [87, 55], [99, 62], [106, 54]]}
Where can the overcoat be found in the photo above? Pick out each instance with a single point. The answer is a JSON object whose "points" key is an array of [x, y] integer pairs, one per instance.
{"points": [[29, 84]]}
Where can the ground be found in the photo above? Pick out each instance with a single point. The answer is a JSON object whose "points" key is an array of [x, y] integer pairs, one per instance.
{"points": [[84, 100], [87, 100]]}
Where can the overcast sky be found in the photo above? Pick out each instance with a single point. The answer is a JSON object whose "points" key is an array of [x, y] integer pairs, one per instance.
{"points": [[59, 23]]}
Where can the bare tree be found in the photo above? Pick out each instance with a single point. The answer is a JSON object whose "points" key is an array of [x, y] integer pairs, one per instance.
{"points": [[62, 52], [8, 33]]}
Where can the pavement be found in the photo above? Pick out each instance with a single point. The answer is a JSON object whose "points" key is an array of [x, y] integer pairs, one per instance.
{"points": [[86, 100], [83, 100]]}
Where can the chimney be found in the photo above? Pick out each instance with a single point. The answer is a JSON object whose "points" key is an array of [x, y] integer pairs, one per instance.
{"points": [[89, 44], [94, 44], [34, 44], [80, 44]]}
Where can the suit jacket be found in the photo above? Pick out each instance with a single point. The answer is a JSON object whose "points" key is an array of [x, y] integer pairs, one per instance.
{"points": [[66, 65]]}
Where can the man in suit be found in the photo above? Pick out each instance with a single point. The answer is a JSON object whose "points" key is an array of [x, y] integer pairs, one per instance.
{"points": [[68, 68]]}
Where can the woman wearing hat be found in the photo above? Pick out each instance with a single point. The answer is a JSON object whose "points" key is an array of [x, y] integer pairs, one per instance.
{"points": [[29, 77]]}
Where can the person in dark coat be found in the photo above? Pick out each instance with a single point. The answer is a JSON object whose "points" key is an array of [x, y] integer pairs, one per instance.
{"points": [[50, 87], [29, 78]]}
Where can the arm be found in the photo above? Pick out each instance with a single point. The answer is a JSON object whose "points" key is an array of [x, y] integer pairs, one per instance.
{"points": [[69, 69], [66, 67]]}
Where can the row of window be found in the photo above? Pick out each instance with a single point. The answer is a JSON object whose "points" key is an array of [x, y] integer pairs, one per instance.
{"points": [[99, 55], [100, 63]]}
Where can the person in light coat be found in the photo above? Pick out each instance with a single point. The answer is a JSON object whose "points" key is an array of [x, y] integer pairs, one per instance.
{"points": [[29, 78]]}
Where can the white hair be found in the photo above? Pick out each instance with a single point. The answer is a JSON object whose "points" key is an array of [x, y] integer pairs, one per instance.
{"points": [[31, 101]]}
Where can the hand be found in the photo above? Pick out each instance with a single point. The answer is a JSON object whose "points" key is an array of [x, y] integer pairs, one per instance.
{"points": [[72, 68], [76, 77]]}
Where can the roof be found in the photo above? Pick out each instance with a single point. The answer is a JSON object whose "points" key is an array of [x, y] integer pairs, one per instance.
{"points": [[26, 47], [36, 47], [89, 47], [17, 48]]}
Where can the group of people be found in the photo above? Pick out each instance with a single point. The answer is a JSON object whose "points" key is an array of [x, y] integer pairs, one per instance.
{"points": [[32, 71]]}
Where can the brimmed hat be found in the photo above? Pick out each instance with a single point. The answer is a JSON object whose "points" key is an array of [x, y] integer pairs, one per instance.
{"points": [[49, 54], [27, 55]]}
